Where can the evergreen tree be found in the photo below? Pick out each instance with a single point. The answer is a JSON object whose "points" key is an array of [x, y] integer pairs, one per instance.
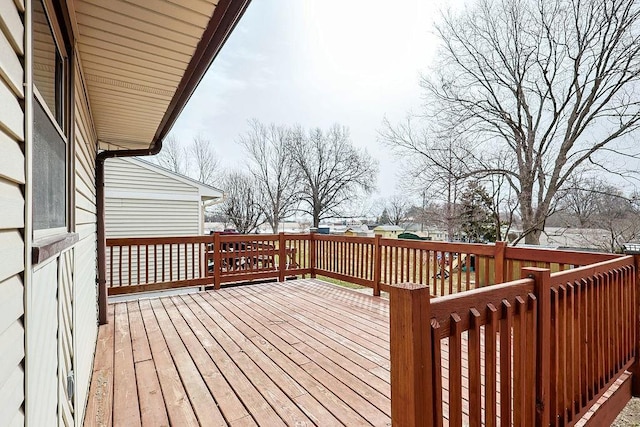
{"points": [[476, 214], [384, 219]]}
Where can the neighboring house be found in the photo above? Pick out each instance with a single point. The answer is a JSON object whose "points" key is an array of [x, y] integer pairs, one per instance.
{"points": [[359, 231], [574, 238], [145, 200], [434, 234], [388, 231], [80, 82]]}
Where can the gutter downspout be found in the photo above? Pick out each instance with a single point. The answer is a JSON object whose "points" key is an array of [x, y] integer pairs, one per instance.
{"points": [[102, 240]]}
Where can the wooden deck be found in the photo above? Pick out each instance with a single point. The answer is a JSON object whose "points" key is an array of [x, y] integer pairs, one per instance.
{"points": [[296, 353]]}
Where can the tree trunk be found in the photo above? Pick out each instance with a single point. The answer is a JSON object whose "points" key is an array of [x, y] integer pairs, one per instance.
{"points": [[316, 219], [533, 238]]}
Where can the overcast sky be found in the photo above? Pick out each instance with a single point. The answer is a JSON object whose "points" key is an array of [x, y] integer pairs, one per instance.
{"points": [[315, 63]]}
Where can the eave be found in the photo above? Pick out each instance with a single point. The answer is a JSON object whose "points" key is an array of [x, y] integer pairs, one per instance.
{"points": [[142, 61]]}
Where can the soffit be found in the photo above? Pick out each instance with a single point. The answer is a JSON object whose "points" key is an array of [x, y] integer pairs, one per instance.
{"points": [[134, 54]]}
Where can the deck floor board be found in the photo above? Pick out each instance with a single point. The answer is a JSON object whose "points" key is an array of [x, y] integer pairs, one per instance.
{"points": [[301, 353], [296, 353]]}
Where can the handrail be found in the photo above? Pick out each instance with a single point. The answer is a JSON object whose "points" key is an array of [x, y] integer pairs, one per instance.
{"points": [[578, 273], [570, 335], [573, 326], [374, 262]]}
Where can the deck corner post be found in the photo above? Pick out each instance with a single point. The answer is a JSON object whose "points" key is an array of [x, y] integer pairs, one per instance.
{"points": [[500, 248], [217, 261], [635, 368], [411, 353], [542, 290], [377, 265], [282, 257], [312, 253]]}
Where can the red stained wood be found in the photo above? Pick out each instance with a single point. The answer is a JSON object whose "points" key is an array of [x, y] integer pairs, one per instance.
{"points": [[581, 317], [455, 371], [411, 392]]}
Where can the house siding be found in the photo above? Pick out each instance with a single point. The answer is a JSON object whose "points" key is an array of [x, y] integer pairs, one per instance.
{"points": [[42, 384], [142, 203], [12, 178], [85, 254], [63, 327]]}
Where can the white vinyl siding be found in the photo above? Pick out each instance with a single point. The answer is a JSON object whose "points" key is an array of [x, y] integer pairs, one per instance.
{"points": [[122, 175], [12, 176], [85, 267], [151, 218], [140, 202], [43, 335]]}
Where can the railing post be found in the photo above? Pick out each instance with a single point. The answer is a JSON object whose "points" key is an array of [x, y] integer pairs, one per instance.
{"points": [[282, 257], [542, 277], [635, 368], [500, 248], [217, 261], [377, 265], [312, 253], [411, 353]]}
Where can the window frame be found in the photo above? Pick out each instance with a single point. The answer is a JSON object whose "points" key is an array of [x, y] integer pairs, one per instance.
{"points": [[64, 91]]}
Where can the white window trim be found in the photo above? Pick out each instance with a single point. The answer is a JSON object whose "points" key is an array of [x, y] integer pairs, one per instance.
{"points": [[57, 39]]}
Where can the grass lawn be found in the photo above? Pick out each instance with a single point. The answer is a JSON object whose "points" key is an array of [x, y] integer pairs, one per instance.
{"points": [[340, 282]]}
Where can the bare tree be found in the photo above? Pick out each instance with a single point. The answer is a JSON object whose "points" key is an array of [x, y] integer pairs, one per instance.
{"points": [[580, 200], [591, 203], [241, 206], [397, 209], [436, 165], [173, 156], [197, 160], [620, 216], [540, 88], [272, 167], [330, 170], [204, 160]]}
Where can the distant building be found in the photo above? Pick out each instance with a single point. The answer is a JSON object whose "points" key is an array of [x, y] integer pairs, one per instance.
{"points": [[388, 231], [436, 234], [574, 238], [145, 200], [359, 231]]}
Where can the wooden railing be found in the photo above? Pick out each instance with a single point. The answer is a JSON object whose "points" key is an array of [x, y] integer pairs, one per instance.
{"points": [[539, 350], [591, 334], [243, 258], [448, 268], [378, 263], [159, 263], [155, 263], [139, 264]]}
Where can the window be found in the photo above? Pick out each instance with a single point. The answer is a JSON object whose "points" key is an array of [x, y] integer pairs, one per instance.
{"points": [[50, 121]]}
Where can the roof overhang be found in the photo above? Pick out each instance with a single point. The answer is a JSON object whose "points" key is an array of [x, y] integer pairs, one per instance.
{"points": [[142, 61]]}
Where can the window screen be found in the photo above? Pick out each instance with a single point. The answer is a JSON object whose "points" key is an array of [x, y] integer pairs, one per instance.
{"points": [[49, 173]]}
